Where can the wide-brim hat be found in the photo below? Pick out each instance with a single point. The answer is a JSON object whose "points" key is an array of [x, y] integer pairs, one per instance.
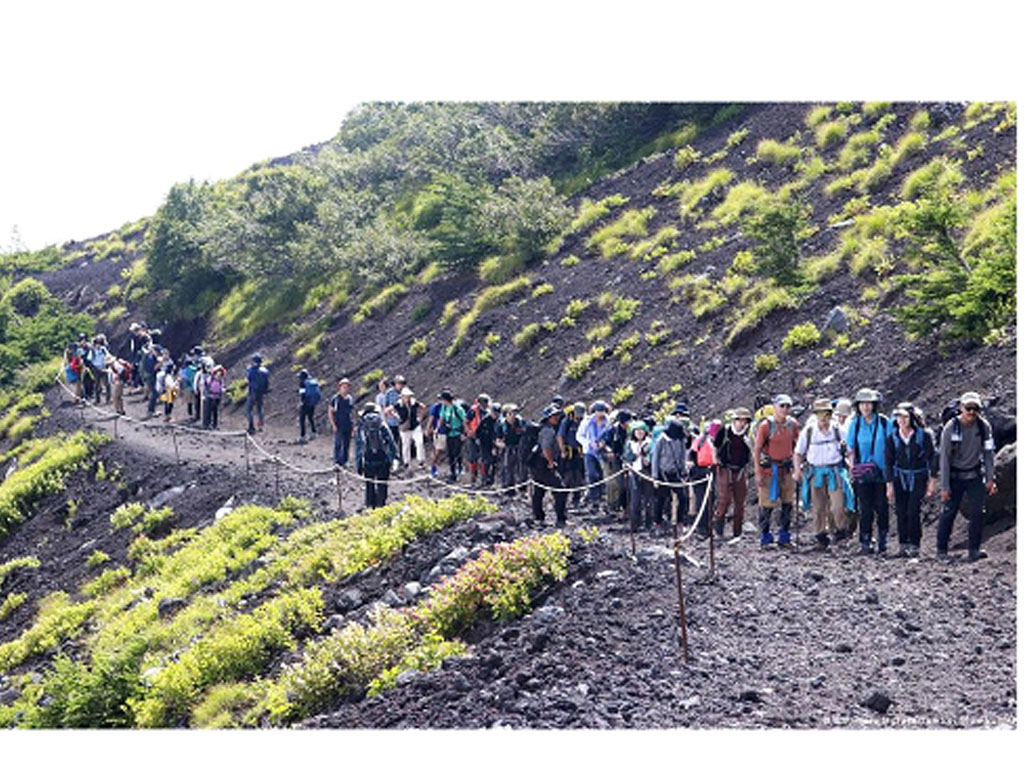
{"points": [[548, 412], [822, 405], [867, 395], [843, 407], [406, 392], [741, 413]]}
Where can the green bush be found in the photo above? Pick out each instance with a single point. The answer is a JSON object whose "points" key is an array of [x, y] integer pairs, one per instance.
{"points": [[609, 239], [484, 358], [570, 261], [773, 228], [98, 557], [817, 115], [685, 157], [9, 566], [126, 515], [527, 337], [106, 581], [420, 312], [764, 301], [11, 603], [693, 193], [542, 290], [381, 303], [57, 620], [622, 394], [27, 296], [578, 366], [489, 298], [801, 336], [831, 133], [773, 151], [501, 269], [674, 261], [736, 138], [589, 211], [765, 364], [418, 348]]}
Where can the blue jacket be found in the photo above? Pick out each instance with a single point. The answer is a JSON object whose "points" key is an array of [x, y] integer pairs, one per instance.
{"points": [[863, 452]]}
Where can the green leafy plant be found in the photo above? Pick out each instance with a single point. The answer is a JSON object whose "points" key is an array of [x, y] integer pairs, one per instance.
{"points": [[418, 347], [622, 394], [590, 211], [578, 366], [542, 290], [775, 152], [98, 557], [801, 336], [528, 336], [685, 157], [765, 364]]}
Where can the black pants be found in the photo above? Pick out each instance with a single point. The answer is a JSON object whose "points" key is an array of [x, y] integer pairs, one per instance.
{"points": [[342, 441], [487, 461], [306, 412], [574, 476], [395, 433], [974, 490], [511, 466], [663, 500], [453, 445], [873, 505], [376, 492], [641, 493], [908, 510], [699, 491], [548, 477], [210, 409]]}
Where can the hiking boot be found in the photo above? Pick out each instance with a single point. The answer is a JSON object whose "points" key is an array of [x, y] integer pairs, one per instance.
{"points": [[821, 542], [913, 550], [767, 545], [976, 554], [866, 549], [720, 529], [942, 556]]}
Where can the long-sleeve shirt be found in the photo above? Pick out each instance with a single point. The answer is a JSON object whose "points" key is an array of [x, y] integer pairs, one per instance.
{"points": [[909, 458], [589, 435], [820, 448], [971, 453]]}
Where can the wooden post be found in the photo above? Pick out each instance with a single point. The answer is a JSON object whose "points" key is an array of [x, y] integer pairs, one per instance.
{"points": [[337, 480], [117, 417], [174, 439], [277, 479], [245, 440], [682, 606]]}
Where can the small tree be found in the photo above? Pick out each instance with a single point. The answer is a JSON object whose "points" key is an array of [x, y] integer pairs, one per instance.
{"points": [[773, 228]]}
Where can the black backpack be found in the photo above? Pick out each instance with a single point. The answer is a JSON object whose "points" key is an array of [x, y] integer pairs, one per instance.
{"points": [[529, 445], [375, 444]]}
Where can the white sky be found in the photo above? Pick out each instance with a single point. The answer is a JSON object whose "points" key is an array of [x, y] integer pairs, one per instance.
{"points": [[104, 105]]}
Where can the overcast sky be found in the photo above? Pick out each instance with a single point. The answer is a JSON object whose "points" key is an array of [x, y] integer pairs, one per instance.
{"points": [[104, 105]]}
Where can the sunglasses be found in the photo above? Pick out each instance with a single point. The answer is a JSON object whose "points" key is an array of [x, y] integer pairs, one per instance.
{"points": [[972, 408], [783, 405]]}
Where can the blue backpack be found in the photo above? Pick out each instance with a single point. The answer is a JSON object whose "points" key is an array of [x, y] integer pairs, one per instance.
{"points": [[311, 394], [261, 382]]}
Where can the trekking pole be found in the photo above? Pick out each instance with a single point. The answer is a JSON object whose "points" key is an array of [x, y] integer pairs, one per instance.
{"points": [[682, 605], [337, 480], [174, 439]]}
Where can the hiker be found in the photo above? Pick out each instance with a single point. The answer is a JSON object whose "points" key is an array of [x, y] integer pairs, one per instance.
{"points": [[510, 434], [189, 368], [702, 467], [434, 434], [121, 373], [571, 452], [167, 387], [733, 452], [375, 451], [773, 470], [486, 434], [615, 438], [453, 417], [132, 352], [866, 434], [150, 366], [544, 468], [258, 379], [668, 460], [98, 357], [637, 456], [84, 351], [912, 464], [842, 413], [213, 393], [474, 414], [392, 396], [339, 414], [73, 366], [410, 413], [381, 398], [309, 396], [966, 468], [821, 453], [589, 435]]}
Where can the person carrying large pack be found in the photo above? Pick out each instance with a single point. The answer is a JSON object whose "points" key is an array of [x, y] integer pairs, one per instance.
{"points": [[453, 417], [309, 396], [510, 433], [543, 466], [669, 465], [615, 438], [820, 454], [733, 452], [571, 463], [773, 470], [966, 469], [702, 466], [912, 463], [641, 491], [339, 414], [474, 415], [590, 435], [486, 434], [375, 451], [258, 379], [410, 428], [865, 438]]}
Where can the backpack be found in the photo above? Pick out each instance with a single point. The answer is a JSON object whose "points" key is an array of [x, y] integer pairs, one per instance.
{"points": [[261, 382], [126, 371], [705, 452], [895, 439], [529, 445], [454, 418], [311, 394], [958, 435], [883, 424], [836, 434], [375, 450], [214, 386]]}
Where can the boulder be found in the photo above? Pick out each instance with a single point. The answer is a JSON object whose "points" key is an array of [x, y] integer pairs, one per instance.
{"points": [[411, 590], [335, 621], [349, 598], [1004, 502], [170, 605], [162, 498], [878, 701], [837, 321]]}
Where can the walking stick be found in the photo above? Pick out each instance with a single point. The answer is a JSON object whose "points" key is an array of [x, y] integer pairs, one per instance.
{"points": [[682, 605]]}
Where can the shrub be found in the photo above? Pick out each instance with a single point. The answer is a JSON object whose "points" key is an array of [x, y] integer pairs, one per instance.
{"points": [[483, 358], [578, 366], [874, 108], [527, 337], [501, 269], [773, 151], [704, 299], [741, 199], [570, 261], [921, 121], [801, 336], [771, 299], [622, 310], [858, 148], [939, 173], [654, 246], [420, 311], [57, 620], [675, 261], [371, 378], [773, 228], [576, 307], [622, 394], [105, 582], [18, 562], [126, 515], [831, 133], [818, 269], [11, 603], [817, 115], [632, 223], [624, 347], [685, 157], [599, 332], [736, 138], [27, 296], [451, 309], [910, 144], [26, 403], [489, 298], [765, 364], [542, 290], [692, 194], [98, 557], [657, 334], [418, 347], [381, 303], [589, 211], [155, 521]]}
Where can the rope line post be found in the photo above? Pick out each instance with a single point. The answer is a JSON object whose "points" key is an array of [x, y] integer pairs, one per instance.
{"points": [[337, 480], [277, 479], [245, 441], [682, 605], [116, 419], [174, 439], [711, 533]]}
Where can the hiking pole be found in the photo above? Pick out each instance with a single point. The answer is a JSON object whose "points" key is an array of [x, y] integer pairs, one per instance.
{"points": [[682, 605]]}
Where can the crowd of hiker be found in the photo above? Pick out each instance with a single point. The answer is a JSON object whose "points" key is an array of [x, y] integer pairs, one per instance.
{"points": [[846, 466]]}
